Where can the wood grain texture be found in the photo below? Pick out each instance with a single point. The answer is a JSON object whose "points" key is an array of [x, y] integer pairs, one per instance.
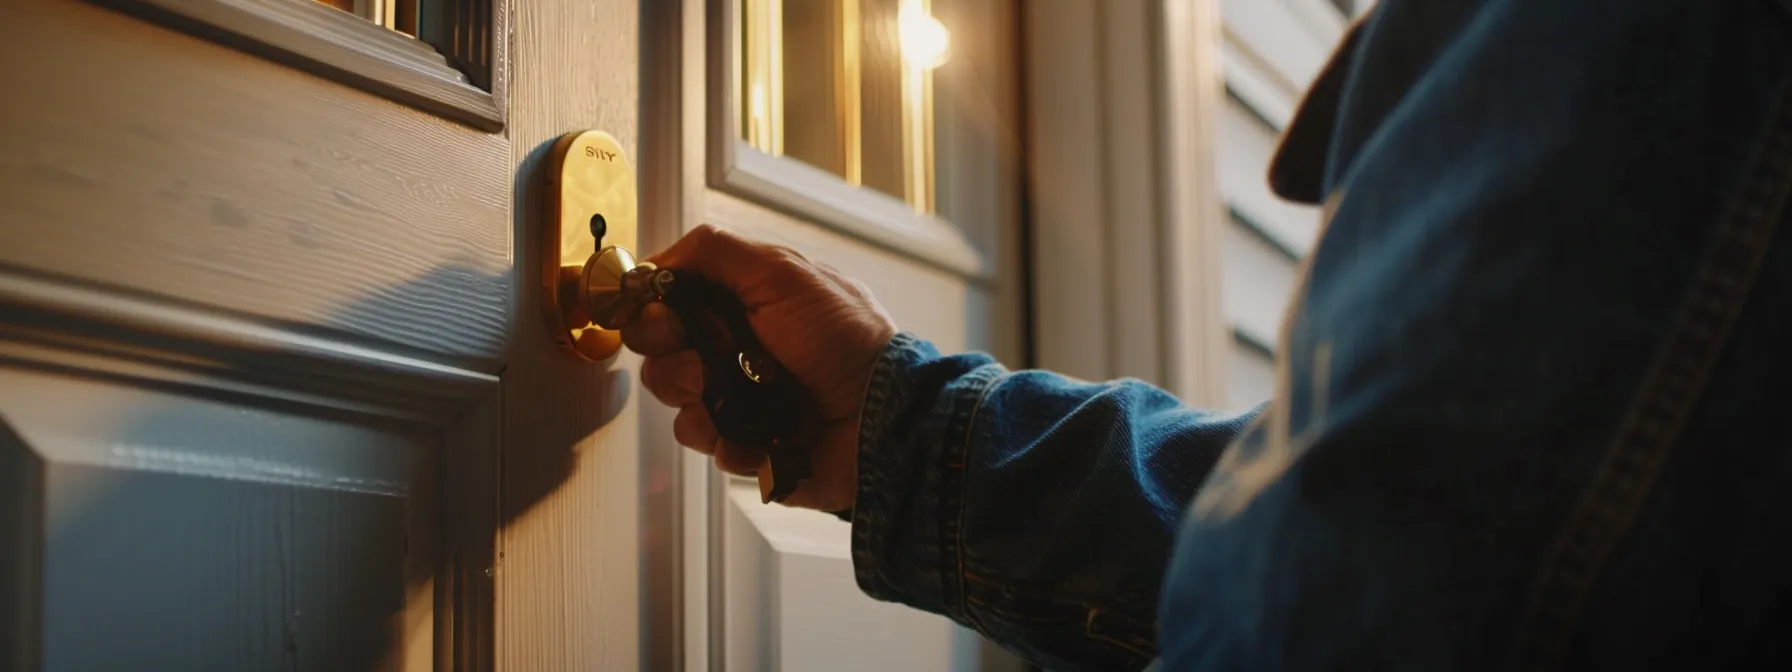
{"points": [[569, 575], [157, 163]]}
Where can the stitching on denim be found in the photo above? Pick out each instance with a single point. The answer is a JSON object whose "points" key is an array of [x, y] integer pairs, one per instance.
{"points": [[1671, 388], [869, 517], [1061, 615], [952, 524], [1121, 631]]}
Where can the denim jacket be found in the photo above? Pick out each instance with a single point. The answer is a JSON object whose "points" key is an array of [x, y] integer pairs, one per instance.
{"points": [[1530, 388]]}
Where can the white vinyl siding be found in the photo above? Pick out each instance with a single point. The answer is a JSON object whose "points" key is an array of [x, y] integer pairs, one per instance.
{"points": [[1272, 50]]}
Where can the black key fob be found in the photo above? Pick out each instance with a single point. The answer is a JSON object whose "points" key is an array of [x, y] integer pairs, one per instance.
{"points": [[751, 399]]}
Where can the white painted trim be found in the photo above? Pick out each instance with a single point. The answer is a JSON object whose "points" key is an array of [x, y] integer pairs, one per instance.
{"points": [[1126, 207], [673, 140], [789, 185], [1196, 336], [820, 196], [675, 493]]}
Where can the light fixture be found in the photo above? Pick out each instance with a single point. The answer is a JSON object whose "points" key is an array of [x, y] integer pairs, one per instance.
{"points": [[924, 40]]}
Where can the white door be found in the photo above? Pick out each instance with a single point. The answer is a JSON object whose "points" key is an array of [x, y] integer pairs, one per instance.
{"points": [[273, 393], [833, 127]]}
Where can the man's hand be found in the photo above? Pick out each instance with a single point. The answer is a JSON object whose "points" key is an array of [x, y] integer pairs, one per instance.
{"points": [[825, 328]]}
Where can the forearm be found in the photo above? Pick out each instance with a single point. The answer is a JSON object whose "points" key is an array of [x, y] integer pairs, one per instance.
{"points": [[1036, 509]]}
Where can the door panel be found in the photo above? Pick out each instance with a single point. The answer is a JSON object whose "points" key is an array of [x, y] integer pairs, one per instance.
{"points": [[793, 594], [187, 526], [151, 162]]}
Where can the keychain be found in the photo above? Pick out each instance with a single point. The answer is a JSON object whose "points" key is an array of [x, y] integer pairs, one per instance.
{"points": [[751, 399]]}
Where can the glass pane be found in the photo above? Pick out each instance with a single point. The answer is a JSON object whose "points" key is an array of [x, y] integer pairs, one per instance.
{"points": [[398, 15], [845, 86], [881, 100], [819, 45]]}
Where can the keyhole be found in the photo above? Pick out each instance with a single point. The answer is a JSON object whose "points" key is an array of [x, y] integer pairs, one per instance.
{"points": [[599, 227]]}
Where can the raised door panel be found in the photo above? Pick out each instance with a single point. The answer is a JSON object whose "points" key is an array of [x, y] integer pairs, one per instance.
{"points": [[796, 606], [158, 164], [186, 533], [164, 517]]}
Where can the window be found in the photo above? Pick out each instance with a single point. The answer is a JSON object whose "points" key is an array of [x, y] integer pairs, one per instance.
{"points": [[825, 109], [433, 55], [398, 15], [845, 86], [458, 30]]}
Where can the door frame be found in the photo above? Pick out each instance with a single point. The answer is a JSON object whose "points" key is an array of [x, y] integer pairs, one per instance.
{"points": [[1130, 125]]}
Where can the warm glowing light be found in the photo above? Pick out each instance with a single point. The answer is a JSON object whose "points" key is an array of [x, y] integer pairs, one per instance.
{"points": [[925, 42]]}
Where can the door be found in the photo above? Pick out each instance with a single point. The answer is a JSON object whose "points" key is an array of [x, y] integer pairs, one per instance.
{"points": [[273, 394], [881, 137]]}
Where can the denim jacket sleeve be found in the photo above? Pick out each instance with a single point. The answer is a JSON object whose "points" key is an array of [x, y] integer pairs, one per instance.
{"points": [[1033, 508]]}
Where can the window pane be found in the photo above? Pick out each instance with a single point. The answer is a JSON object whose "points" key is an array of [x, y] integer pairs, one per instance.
{"points": [[836, 84], [820, 59], [398, 15]]}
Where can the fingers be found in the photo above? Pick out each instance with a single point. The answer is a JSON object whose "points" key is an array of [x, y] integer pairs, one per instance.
{"points": [[738, 264], [693, 429], [655, 332], [675, 379], [738, 460]]}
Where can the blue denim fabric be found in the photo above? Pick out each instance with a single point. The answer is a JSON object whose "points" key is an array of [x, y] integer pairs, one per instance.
{"points": [[1531, 410]]}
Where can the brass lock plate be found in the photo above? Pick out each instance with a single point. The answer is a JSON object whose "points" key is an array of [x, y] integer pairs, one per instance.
{"points": [[588, 187]]}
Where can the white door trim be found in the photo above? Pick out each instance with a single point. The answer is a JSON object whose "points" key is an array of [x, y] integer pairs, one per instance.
{"points": [[1126, 209]]}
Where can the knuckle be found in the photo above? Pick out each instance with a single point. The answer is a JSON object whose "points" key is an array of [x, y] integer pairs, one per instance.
{"points": [[702, 232], [790, 267]]}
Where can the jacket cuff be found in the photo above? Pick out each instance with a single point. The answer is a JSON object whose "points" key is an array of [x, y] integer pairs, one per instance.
{"points": [[914, 433]]}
